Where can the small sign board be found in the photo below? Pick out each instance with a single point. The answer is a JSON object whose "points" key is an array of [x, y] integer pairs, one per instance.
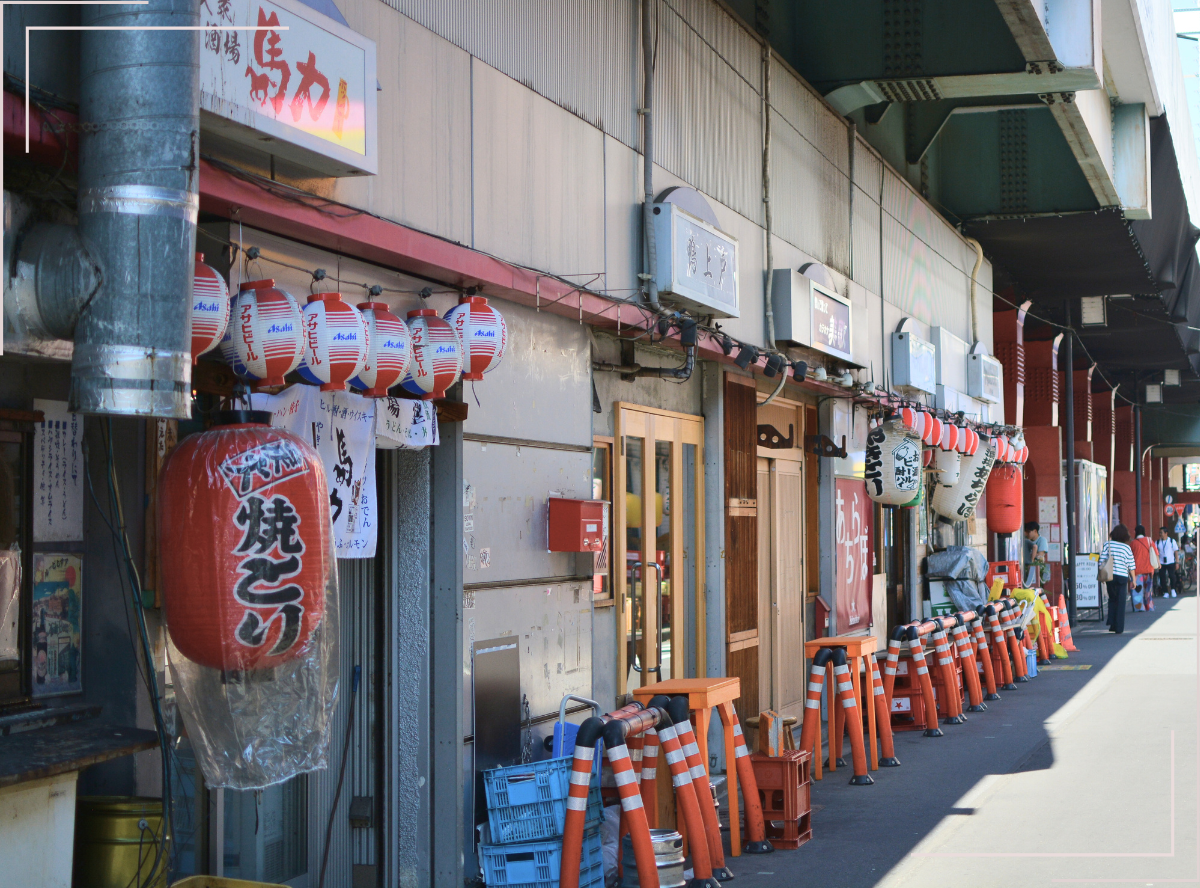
{"points": [[1087, 587], [1047, 510], [304, 92], [830, 318]]}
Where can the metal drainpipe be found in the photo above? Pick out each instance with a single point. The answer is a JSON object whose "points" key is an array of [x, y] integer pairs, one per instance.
{"points": [[138, 203], [974, 281], [648, 157], [1072, 532], [1137, 471]]}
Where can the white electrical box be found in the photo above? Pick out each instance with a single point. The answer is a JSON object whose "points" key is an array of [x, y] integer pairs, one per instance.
{"points": [[697, 264], [1153, 394], [914, 362], [1170, 377], [985, 378]]}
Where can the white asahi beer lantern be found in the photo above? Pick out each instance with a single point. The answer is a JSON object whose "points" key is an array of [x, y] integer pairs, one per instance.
{"points": [[893, 463], [388, 353], [483, 334], [210, 308], [957, 501]]}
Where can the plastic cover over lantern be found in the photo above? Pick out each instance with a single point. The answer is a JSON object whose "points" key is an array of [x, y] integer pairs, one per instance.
{"points": [[210, 308], [389, 350], [948, 463], [436, 356], [250, 599], [482, 332], [335, 342], [957, 502], [264, 328], [893, 463]]}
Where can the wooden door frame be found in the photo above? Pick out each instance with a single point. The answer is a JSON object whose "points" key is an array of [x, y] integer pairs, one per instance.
{"points": [[684, 428]]}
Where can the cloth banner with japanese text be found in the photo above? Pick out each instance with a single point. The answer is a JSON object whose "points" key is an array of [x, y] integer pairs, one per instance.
{"points": [[855, 556], [341, 427], [405, 425]]}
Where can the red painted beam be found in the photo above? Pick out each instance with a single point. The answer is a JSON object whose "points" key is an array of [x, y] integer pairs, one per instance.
{"points": [[51, 133]]}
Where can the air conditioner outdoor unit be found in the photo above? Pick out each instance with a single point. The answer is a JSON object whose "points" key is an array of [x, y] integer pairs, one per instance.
{"points": [[985, 378]]}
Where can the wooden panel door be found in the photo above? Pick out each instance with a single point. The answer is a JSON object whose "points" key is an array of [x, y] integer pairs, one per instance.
{"points": [[766, 586], [787, 544], [741, 540]]}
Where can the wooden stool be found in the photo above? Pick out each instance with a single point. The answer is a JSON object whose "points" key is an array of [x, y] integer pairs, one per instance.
{"points": [[703, 694], [789, 739], [859, 655]]}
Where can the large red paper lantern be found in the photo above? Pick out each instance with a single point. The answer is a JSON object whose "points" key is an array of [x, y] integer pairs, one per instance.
{"points": [[388, 353], [264, 327], [335, 342], [436, 356], [1004, 499], [244, 537], [210, 308], [483, 334]]}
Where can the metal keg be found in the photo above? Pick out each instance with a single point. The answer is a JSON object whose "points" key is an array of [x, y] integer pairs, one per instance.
{"points": [[668, 857]]}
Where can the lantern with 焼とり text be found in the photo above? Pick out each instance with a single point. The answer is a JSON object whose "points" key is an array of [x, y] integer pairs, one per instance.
{"points": [[483, 334], [1004, 498], [243, 522], [893, 463], [264, 330], [388, 353], [436, 356], [210, 308], [335, 341]]}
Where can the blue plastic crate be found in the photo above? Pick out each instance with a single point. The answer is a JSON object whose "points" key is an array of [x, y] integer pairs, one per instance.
{"points": [[539, 864], [528, 802]]}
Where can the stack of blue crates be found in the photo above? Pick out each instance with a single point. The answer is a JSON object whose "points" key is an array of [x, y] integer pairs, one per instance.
{"points": [[527, 808]]}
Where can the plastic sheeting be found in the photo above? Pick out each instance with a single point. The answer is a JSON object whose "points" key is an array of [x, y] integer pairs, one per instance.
{"points": [[964, 570], [251, 594]]}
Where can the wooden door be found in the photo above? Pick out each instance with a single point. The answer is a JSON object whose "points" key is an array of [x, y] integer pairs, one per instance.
{"points": [[787, 606], [741, 540]]}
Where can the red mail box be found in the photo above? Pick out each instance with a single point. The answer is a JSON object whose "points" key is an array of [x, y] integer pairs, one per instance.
{"points": [[577, 525]]}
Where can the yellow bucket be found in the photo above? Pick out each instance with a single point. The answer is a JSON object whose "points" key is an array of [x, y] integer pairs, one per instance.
{"points": [[117, 841]]}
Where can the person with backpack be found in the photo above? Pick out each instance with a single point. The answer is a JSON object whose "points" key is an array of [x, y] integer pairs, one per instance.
{"points": [[1145, 557], [1168, 549], [1116, 569]]}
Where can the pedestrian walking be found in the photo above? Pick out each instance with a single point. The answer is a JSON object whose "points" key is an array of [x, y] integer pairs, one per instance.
{"points": [[1168, 549], [1145, 557], [1124, 568]]}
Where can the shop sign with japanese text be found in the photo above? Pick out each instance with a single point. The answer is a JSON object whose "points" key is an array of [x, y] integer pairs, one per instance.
{"points": [[303, 88], [855, 556], [830, 330]]}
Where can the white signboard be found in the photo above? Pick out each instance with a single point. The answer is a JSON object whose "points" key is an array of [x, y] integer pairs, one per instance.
{"points": [[697, 262], [405, 425], [58, 474], [308, 88], [1087, 587], [341, 426], [1048, 510]]}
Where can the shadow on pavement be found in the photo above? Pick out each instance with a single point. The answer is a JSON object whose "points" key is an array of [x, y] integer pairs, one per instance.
{"points": [[861, 832]]}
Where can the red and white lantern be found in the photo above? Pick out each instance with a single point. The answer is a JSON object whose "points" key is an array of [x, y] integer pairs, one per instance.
{"points": [[483, 334], [933, 430], [243, 522], [210, 308], [963, 440], [950, 437], [913, 419], [264, 328], [436, 356], [388, 353], [335, 342], [972, 442]]}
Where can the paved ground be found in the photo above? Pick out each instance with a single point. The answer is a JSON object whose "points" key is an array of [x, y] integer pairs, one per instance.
{"points": [[1083, 776]]}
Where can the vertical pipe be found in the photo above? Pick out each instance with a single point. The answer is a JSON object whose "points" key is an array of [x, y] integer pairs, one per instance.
{"points": [[769, 310], [1069, 559], [1137, 458], [651, 262]]}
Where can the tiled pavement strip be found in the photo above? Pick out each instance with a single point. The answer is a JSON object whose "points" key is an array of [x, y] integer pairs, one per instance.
{"points": [[1076, 763]]}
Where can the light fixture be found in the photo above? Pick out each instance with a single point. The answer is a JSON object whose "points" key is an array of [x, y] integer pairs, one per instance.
{"points": [[1170, 377], [1092, 311], [747, 356], [1153, 394], [799, 370], [775, 363], [726, 345]]}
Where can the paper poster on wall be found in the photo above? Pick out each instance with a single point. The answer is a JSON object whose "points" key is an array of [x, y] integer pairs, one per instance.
{"points": [[1055, 552], [1047, 510], [1056, 533], [341, 426], [58, 474], [57, 623], [855, 561]]}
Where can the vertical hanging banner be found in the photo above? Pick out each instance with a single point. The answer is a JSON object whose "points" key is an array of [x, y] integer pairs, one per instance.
{"points": [[58, 477], [341, 427], [854, 565]]}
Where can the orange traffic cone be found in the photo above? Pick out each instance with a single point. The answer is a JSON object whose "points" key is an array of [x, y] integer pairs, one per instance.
{"points": [[1064, 625]]}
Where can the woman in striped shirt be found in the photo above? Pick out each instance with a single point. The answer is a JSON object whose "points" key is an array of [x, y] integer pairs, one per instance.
{"points": [[1124, 568]]}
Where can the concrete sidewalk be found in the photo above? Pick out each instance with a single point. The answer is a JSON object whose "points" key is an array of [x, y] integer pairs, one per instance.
{"points": [[1083, 776]]}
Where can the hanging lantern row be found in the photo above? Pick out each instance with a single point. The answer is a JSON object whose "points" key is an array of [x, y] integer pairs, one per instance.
{"points": [[937, 432], [263, 334]]}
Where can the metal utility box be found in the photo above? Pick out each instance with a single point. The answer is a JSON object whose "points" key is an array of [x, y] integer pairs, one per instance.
{"points": [[697, 264], [807, 313], [577, 525], [985, 379], [914, 362]]}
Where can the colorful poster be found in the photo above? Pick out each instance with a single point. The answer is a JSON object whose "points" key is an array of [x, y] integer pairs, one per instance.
{"points": [[855, 556], [58, 477], [57, 621]]}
